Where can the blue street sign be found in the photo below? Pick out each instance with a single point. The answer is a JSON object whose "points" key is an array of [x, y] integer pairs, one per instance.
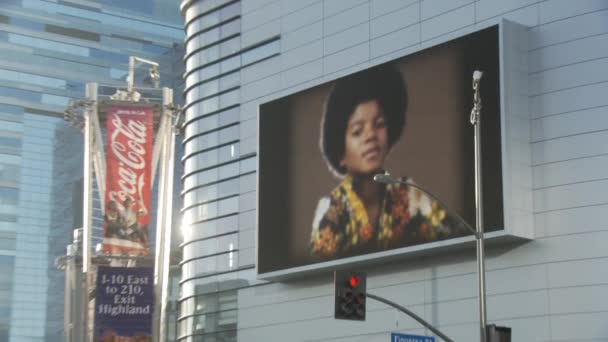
{"points": [[396, 337], [124, 303]]}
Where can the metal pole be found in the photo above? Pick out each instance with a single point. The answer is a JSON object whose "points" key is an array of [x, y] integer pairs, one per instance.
{"points": [[411, 314], [68, 292], [168, 199], [131, 75], [159, 269], [87, 216], [99, 161], [157, 148], [481, 281], [73, 320], [159, 246]]}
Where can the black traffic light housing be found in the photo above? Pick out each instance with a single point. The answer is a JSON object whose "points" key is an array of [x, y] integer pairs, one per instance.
{"points": [[498, 334], [350, 295]]}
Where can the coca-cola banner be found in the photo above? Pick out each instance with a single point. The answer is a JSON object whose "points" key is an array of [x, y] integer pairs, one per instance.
{"points": [[128, 176]]}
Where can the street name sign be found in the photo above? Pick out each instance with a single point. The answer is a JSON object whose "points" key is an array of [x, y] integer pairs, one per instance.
{"points": [[396, 337]]}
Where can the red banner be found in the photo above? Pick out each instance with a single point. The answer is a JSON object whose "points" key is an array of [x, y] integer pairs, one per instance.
{"points": [[128, 175]]}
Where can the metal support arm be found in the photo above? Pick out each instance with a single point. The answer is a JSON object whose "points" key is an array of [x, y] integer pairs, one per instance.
{"points": [[475, 119], [386, 178], [411, 314]]}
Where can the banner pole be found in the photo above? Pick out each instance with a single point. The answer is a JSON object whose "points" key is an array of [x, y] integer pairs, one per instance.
{"points": [[99, 159], [168, 200], [160, 224], [156, 149], [89, 113], [91, 94]]}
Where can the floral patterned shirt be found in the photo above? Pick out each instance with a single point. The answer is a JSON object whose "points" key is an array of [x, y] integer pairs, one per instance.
{"points": [[407, 217]]}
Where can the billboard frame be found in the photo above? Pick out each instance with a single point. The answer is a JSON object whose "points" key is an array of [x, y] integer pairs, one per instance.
{"points": [[515, 153]]}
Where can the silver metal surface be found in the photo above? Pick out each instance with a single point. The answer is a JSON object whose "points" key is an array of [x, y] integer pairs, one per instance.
{"points": [[154, 75], [74, 287], [163, 227], [99, 154], [87, 215], [87, 207], [481, 281], [158, 143], [167, 227], [161, 209]]}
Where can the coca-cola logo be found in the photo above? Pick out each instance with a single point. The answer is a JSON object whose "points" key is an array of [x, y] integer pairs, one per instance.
{"points": [[130, 157]]}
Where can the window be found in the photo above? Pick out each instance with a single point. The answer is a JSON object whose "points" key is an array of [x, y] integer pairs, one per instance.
{"points": [[9, 173], [32, 79], [8, 141], [9, 196], [260, 52], [7, 240], [7, 265], [8, 217], [48, 45]]}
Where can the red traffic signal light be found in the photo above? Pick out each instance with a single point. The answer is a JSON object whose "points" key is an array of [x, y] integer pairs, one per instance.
{"points": [[353, 281], [350, 295]]}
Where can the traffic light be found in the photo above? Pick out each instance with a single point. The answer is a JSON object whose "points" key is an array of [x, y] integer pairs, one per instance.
{"points": [[350, 295]]}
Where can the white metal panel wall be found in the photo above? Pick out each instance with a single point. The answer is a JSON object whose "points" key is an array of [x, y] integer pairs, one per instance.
{"points": [[550, 289]]}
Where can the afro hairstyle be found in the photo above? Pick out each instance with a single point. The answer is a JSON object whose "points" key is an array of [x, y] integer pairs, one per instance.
{"points": [[383, 83]]}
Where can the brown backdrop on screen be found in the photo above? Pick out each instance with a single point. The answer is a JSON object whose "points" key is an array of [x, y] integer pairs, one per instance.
{"points": [[433, 137]]}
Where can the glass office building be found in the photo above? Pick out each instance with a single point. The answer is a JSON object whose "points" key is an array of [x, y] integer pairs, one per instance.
{"points": [[50, 50]]}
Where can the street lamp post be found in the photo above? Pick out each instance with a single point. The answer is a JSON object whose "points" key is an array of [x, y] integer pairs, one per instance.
{"points": [[481, 271], [479, 231]]}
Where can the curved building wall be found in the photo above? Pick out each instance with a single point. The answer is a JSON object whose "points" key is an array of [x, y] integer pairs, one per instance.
{"points": [[240, 53], [219, 169], [50, 50]]}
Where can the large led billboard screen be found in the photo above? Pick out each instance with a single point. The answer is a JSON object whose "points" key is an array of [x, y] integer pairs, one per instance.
{"points": [[319, 149]]}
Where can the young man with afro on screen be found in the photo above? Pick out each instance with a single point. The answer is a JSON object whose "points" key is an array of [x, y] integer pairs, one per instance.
{"points": [[363, 118]]}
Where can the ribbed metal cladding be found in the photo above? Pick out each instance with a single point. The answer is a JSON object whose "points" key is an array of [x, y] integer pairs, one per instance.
{"points": [[218, 214]]}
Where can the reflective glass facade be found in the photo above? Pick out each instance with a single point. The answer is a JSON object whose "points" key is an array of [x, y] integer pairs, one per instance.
{"points": [[50, 50]]}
